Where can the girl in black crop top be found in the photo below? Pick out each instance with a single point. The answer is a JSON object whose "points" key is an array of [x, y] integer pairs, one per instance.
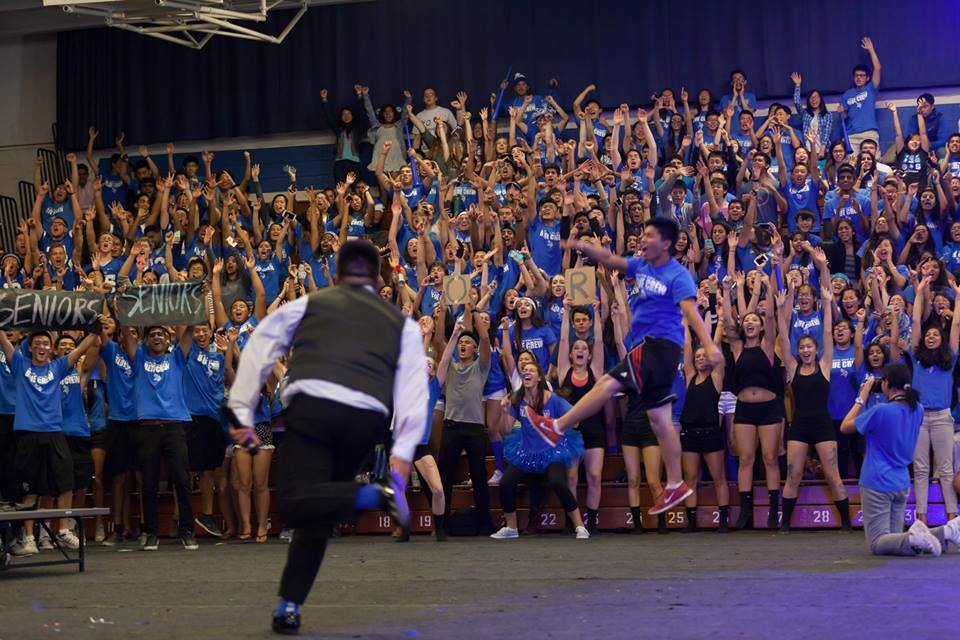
{"points": [[701, 431], [759, 412], [809, 378]]}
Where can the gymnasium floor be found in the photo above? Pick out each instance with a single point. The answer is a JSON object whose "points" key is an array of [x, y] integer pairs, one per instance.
{"points": [[747, 585]]}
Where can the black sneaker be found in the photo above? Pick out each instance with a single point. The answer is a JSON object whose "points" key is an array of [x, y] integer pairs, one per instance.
{"points": [[206, 522], [188, 541], [152, 542], [286, 624]]}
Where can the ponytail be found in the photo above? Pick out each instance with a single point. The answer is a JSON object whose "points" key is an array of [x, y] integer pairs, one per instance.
{"points": [[912, 396], [898, 376]]}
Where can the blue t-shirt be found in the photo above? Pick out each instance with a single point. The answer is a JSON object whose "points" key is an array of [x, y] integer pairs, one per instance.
{"points": [[553, 314], [806, 324], [38, 393], [738, 107], [49, 209], [950, 254], [538, 340], [529, 452], [271, 274], [891, 430], [109, 270], [203, 382], [934, 384], [802, 197], [847, 211], [8, 391], [114, 190], [243, 331], [544, 240], [120, 382], [430, 299], [159, 386], [860, 105], [434, 391], [656, 305], [72, 411], [844, 383]]}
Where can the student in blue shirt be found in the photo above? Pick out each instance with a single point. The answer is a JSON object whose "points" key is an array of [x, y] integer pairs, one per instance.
{"points": [[162, 413], [59, 202], [847, 203], [801, 188], [741, 99], [666, 294], [203, 390], [530, 334], [859, 103], [543, 236], [933, 358], [243, 316], [44, 466], [891, 430]]}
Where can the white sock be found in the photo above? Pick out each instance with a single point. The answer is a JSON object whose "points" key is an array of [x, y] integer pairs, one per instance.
{"points": [[674, 485]]}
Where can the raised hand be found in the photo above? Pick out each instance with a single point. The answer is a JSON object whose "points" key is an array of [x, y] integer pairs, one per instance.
{"points": [[92, 133], [866, 43], [797, 79], [323, 94]]}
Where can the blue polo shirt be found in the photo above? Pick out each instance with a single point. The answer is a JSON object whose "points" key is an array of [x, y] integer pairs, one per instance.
{"points": [[891, 430]]}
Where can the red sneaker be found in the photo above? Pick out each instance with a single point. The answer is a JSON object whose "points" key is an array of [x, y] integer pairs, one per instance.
{"points": [[545, 427], [670, 498]]}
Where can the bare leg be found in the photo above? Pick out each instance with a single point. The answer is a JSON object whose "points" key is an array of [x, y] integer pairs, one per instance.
{"points": [[261, 473], [652, 464], [745, 436], [831, 469], [99, 458], [796, 459], [593, 465], [428, 470], [242, 485], [207, 483], [64, 501], [661, 421], [719, 476], [631, 461], [691, 473], [224, 497], [771, 442], [590, 404]]}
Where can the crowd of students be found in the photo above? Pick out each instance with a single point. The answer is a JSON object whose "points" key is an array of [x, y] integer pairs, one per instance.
{"points": [[819, 259]]}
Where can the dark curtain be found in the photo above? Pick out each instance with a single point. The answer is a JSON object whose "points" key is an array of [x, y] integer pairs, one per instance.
{"points": [[157, 91]]}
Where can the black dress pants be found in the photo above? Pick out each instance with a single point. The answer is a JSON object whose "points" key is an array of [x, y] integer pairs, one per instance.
{"points": [[164, 440], [472, 438], [324, 445]]}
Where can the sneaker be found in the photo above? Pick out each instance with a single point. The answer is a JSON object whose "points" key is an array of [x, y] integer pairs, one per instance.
{"points": [[206, 522], [951, 531], [286, 535], [286, 619], [113, 540], [393, 495], [142, 540], [188, 541], [25, 547], [150, 541], [922, 540], [68, 539], [670, 498], [582, 533], [101, 533], [505, 533], [494, 480], [545, 427], [43, 542]]}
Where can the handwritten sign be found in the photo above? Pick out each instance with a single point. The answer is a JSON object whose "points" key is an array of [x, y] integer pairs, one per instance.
{"points": [[33, 309], [581, 285], [183, 303], [456, 288]]}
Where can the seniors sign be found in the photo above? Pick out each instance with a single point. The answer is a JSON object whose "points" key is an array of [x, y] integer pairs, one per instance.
{"points": [[30, 309]]}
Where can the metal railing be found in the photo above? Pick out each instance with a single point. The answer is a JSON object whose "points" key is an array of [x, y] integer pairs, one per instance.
{"points": [[9, 218]]}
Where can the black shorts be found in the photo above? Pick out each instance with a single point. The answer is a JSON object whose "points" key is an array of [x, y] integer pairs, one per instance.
{"points": [[206, 443], [98, 439], [650, 370], [594, 434], [637, 431], [759, 413], [44, 464], [700, 438], [812, 431], [422, 451], [123, 441], [83, 471]]}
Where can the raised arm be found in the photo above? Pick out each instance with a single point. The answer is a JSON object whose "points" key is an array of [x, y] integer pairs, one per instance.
{"points": [[867, 44]]}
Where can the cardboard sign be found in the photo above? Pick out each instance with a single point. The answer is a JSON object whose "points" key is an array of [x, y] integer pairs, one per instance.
{"points": [[34, 309], [456, 288], [180, 303], [581, 285]]}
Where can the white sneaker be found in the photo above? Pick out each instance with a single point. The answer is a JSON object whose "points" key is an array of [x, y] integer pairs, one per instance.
{"points": [[43, 540], [922, 540], [951, 531], [582, 533], [68, 539], [101, 533], [25, 547], [495, 478], [505, 533]]}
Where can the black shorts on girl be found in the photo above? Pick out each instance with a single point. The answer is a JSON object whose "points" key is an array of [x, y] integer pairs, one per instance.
{"points": [[206, 443], [594, 434], [637, 431], [759, 413], [422, 451], [700, 438], [812, 431], [649, 370]]}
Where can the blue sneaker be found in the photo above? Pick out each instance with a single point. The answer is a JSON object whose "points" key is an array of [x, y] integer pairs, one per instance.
{"points": [[286, 618], [393, 492]]}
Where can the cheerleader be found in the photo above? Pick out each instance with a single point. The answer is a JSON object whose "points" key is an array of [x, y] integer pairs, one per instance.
{"points": [[530, 458], [809, 379], [701, 433], [579, 365]]}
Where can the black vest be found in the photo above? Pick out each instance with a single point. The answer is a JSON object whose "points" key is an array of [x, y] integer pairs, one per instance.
{"points": [[349, 336]]}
